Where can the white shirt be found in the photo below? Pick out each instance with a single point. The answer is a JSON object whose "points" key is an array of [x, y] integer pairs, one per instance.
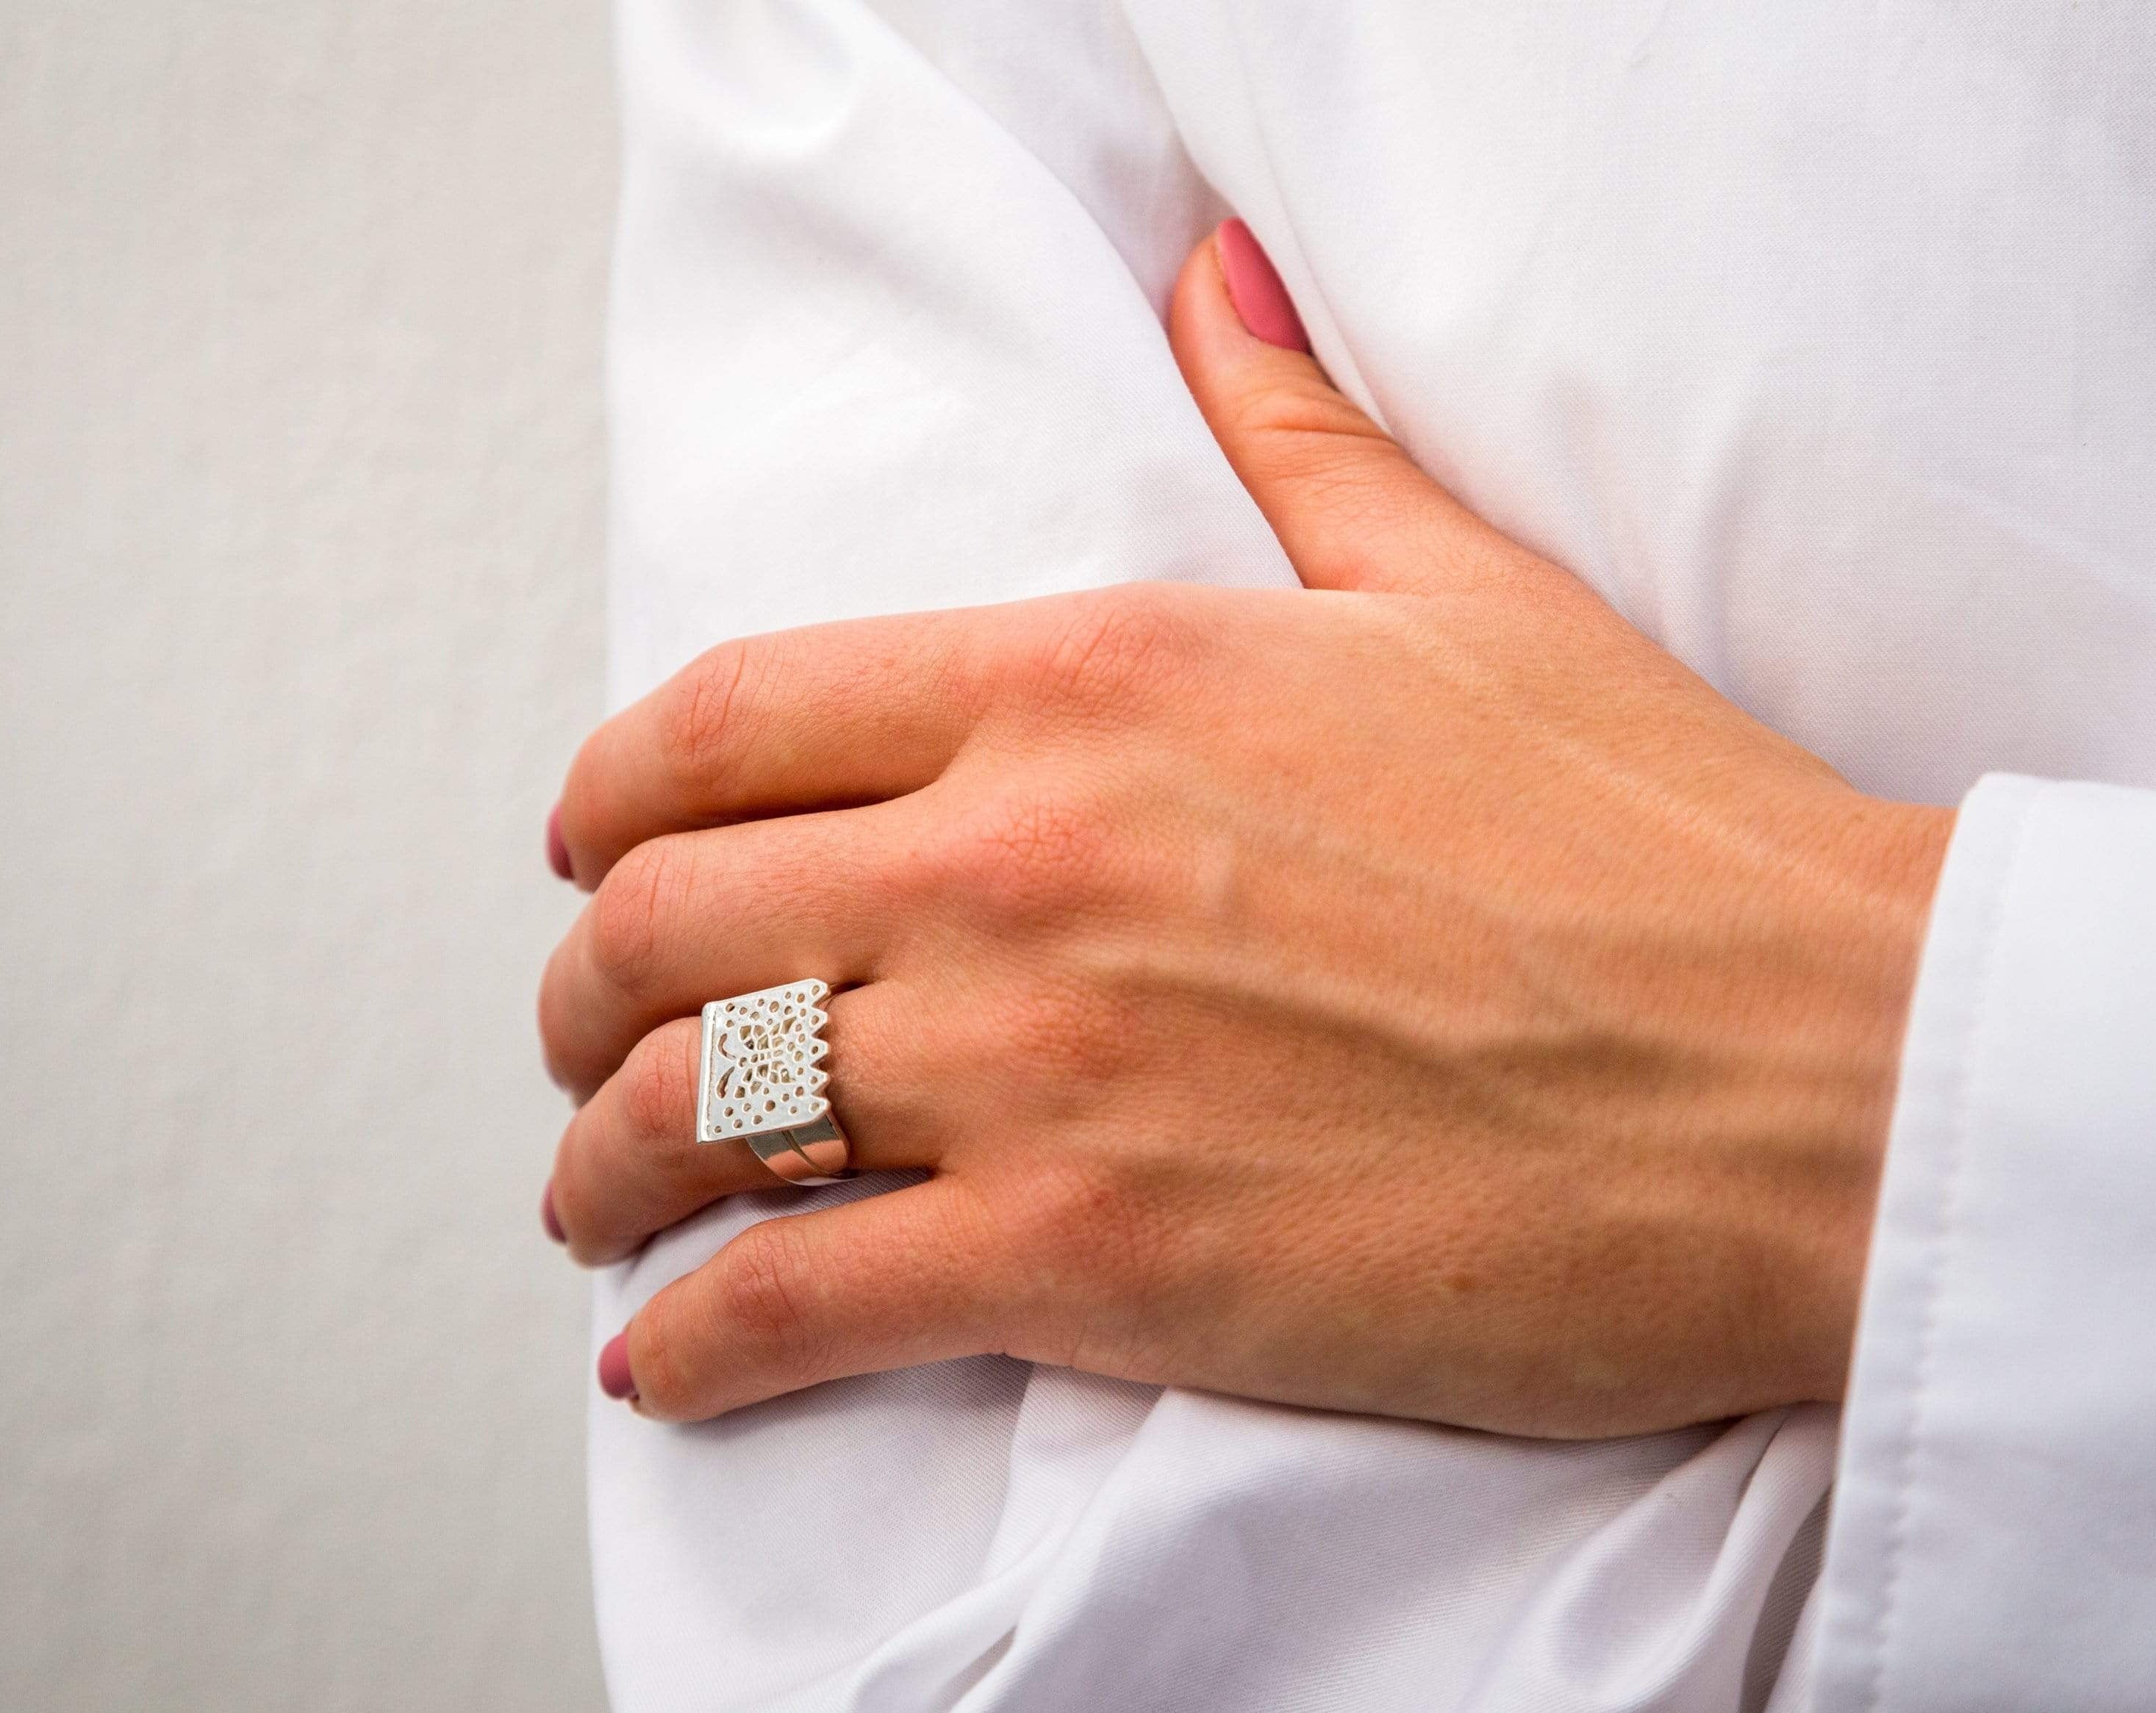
{"points": [[1821, 340]]}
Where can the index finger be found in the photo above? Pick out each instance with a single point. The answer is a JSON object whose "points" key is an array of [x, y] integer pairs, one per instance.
{"points": [[825, 716]]}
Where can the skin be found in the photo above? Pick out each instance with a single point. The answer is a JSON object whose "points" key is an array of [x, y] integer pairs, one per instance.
{"points": [[1416, 994]]}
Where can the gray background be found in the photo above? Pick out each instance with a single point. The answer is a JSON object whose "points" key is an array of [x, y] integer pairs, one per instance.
{"points": [[301, 475]]}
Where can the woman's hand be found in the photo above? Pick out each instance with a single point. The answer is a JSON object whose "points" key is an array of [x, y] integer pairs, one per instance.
{"points": [[1417, 994]]}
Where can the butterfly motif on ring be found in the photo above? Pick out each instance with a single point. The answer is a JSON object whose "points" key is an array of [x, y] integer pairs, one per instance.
{"points": [[761, 1070]]}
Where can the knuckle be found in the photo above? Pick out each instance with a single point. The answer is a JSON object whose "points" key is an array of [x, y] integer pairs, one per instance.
{"points": [[1307, 418], [1060, 1210], [1335, 458], [1332, 475], [565, 1191], [1024, 854], [575, 803], [661, 1086], [552, 1012], [627, 914], [1051, 1048], [763, 1297], [1100, 649], [1074, 1039], [1085, 1249], [881, 1052], [703, 714], [671, 1350]]}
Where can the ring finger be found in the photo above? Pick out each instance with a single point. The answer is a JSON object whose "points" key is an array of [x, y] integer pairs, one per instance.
{"points": [[692, 917], [629, 1164]]}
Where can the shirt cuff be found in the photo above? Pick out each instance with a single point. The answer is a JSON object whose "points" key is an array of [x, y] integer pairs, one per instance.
{"points": [[1992, 1542]]}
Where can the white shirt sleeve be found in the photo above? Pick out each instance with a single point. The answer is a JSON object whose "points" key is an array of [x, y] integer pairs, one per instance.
{"points": [[1993, 1538]]}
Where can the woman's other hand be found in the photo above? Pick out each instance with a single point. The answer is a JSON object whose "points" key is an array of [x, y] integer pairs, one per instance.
{"points": [[1417, 994]]}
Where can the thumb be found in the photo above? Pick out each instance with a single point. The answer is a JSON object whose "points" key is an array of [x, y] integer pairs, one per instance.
{"points": [[1347, 504]]}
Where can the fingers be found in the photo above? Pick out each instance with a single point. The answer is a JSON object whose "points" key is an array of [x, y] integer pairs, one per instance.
{"points": [[918, 1275], [684, 919], [1349, 506], [629, 1164], [814, 718]]}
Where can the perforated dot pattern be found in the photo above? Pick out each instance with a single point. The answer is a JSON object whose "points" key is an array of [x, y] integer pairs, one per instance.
{"points": [[762, 1069]]}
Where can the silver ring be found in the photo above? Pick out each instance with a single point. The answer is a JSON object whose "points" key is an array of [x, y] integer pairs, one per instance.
{"points": [[762, 1079]]}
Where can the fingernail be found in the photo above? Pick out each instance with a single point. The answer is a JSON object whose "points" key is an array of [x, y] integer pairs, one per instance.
{"points": [[549, 1218], [557, 848], [614, 1378], [1255, 290]]}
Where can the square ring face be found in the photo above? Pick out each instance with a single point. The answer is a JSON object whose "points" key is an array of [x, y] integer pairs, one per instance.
{"points": [[762, 1064]]}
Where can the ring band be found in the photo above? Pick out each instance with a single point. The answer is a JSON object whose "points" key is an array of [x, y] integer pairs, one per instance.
{"points": [[761, 1081]]}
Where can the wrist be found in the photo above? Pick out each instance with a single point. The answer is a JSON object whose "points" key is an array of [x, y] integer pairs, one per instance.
{"points": [[1886, 859]]}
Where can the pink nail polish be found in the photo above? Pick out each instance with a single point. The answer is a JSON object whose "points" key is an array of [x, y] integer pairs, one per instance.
{"points": [[557, 848], [549, 1218], [614, 1378], [1255, 288]]}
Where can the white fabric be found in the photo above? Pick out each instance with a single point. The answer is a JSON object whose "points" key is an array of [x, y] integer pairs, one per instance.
{"points": [[1995, 1525], [1821, 339]]}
